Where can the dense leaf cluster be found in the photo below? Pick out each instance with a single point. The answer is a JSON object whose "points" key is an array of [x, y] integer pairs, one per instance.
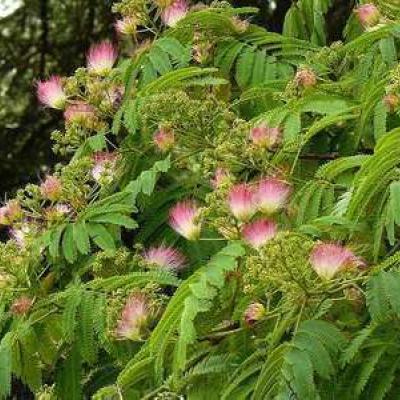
{"points": [[293, 294]]}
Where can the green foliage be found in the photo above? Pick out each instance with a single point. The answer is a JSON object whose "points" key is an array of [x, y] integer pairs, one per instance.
{"points": [[129, 275]]}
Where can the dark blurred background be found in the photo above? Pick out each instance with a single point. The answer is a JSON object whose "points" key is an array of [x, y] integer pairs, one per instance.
{"points": [[43, 37]]}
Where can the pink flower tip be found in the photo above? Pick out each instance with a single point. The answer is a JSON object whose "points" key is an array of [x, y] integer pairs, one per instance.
{"points": [[368, 15], [327, 259], [241, 202], [183, 218], [266, 137], [21, 306], [101, 58], [79, 113], [126, 26], [259, 232], [305, 78], [10, 213], [272, 195], [254, 312], [165, 257], [51, 188], [174, 13], [51, 93], [103, 170], [134, 318], [220, 176], [164, 139]]}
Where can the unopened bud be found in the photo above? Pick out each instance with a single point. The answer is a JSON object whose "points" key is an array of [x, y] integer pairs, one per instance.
{"points": [[254, 312]]}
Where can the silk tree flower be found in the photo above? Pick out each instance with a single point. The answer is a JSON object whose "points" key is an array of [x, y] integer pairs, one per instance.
{"points": [[183, 218], [51, 93], [305, 78], [241, 202], [51, 188], [368, 15], [19, 235], [259, 232], [134, 318], [126, 26], [164, 139], [266, 137], [165, 257], [391, 101], [272, 195], [327, 259], [21, 306], [101, 58], [220, 176], [79, 113], [174, 12], [104, 166], [59, 211], [11, 212], [254, 312]]}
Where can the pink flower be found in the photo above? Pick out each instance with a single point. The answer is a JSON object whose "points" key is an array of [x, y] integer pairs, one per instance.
{"points": [[104, 167], [164, 139], [175, 12], [79, 113], [272, 195], [11, 212], [241, 202], [57, 212], [264, 136], [51, 93], [126, 26], [305, 78], [51, 188], [391, 102], [219, 177], [134, 317], [21, 305], [165, 257], [101, 58], [19, 235], [183, 219], [328, 258], [254, 312], [259, 232], [368, 15]]}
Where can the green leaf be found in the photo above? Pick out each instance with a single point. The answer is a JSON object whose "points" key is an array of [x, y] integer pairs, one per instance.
{"points": [[115, 219], [101, 236], [68, 244], [81, 237]]}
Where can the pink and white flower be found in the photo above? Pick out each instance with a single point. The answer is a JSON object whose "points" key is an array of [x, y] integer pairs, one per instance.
{"points": [[241, 202], [259, 232], [19, 235], [183, 218], [126, 26], [101, 58], [164, 139], [51, 93], [220, 176], [254, 312], [134, 318], [368, 15], [11, 212], [51, 188], [266, 137], [174, 13], [272, 195], [327, 259], [79, 113], [305, 78], [21, 305], [104, 166], [165, 257]]}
